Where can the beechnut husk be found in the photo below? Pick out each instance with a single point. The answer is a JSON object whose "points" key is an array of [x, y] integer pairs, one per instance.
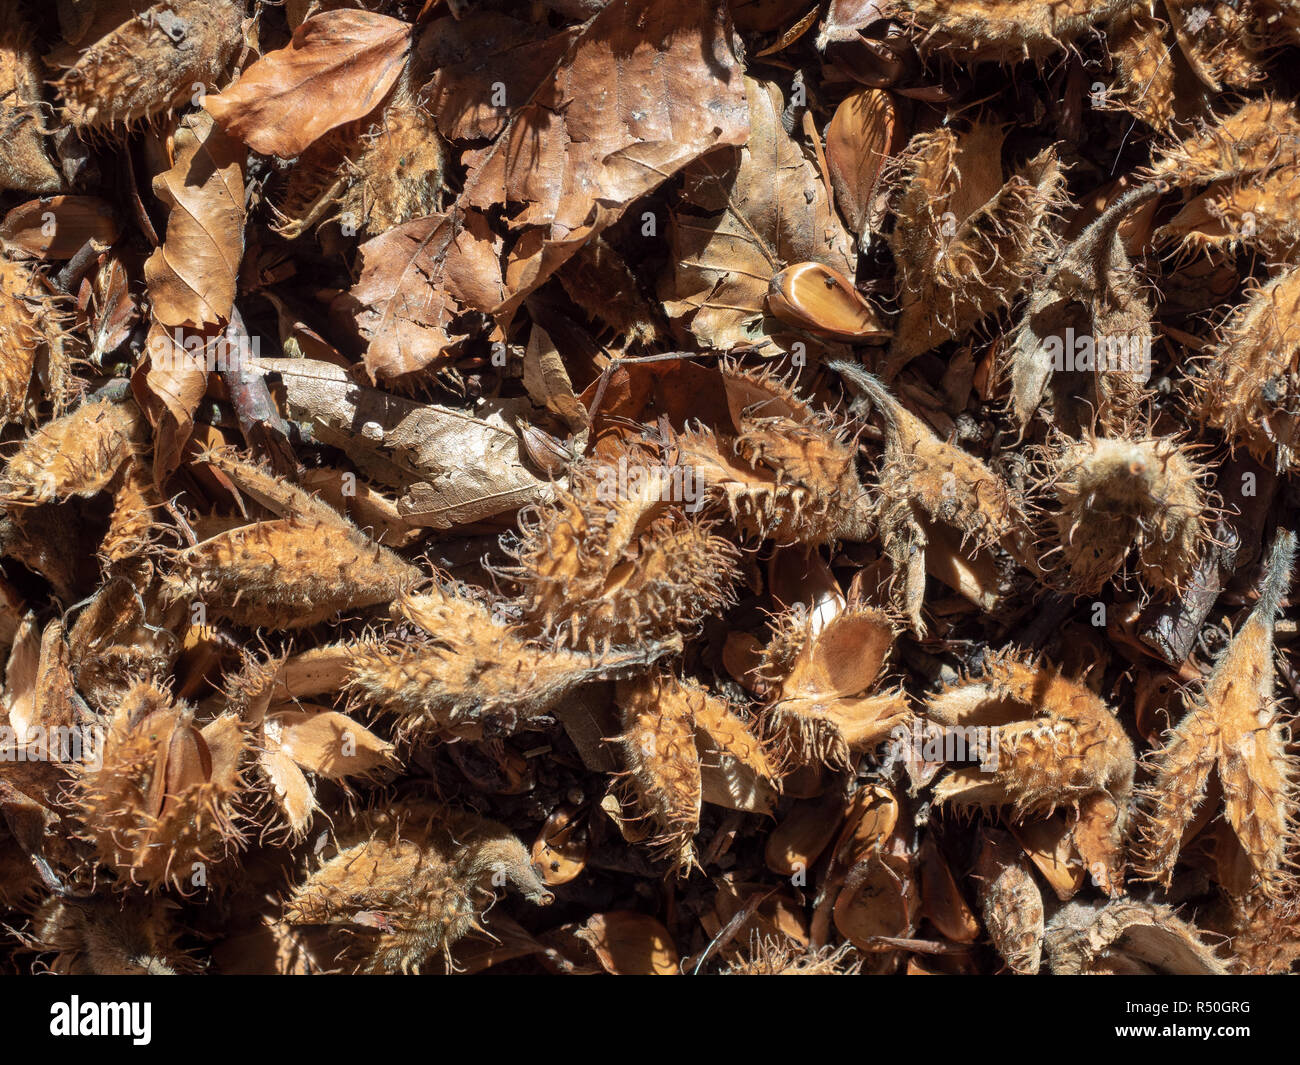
{"points": [[649, 486]]}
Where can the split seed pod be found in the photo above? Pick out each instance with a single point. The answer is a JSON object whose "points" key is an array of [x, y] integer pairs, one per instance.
{"points": [[683, 746], [1126, 938], [156, 801], [922, 477], [821, 673], [1052, 742], [965, 242], [785, 472], [1233, 729]]}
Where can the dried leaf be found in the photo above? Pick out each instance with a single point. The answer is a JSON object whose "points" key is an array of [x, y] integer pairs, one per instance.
{"points": [[338, 67]]}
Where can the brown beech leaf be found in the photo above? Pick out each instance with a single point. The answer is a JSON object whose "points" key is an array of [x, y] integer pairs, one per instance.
{"points": [[861, 137], [602, 124], [57, 227], [168, 386], [338, 67], [455, 466], [192, 276], [746, 214], [398, 307]]}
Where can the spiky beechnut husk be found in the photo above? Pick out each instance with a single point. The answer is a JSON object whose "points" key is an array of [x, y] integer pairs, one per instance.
{"points": [[1233, 729], [407, 883], [1119, 495]]}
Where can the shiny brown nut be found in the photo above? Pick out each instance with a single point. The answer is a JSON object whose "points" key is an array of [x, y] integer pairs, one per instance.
{"points": [[822, 301]]}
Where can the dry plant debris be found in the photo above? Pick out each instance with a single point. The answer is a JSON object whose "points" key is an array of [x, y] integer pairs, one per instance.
{"points": [[649, 486]]}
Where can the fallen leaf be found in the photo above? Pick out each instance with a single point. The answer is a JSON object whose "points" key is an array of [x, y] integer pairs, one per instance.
{"points": [[338, 67], [57, 227], [746, 213], [192, 276], [455, 466]]}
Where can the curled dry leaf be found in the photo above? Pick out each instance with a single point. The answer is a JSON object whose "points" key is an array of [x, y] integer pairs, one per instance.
{"points": [[862, 136], [56, 227], [405, 320], [192, 276]]}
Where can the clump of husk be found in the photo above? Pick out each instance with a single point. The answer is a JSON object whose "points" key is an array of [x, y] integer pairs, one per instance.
{"points": [[157, 801], [788, 472], [1234, 732], [1120, 495], [475, 670], [1084, 339], [1010, 902], [923, 479], [409, 882], [369, 179], [1003, 31], [140, 60], [619, 557], [32, 344], [25, 163], [110, 937], [965, 242], [1246, 165], [1248, 383], [78, 454]]}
